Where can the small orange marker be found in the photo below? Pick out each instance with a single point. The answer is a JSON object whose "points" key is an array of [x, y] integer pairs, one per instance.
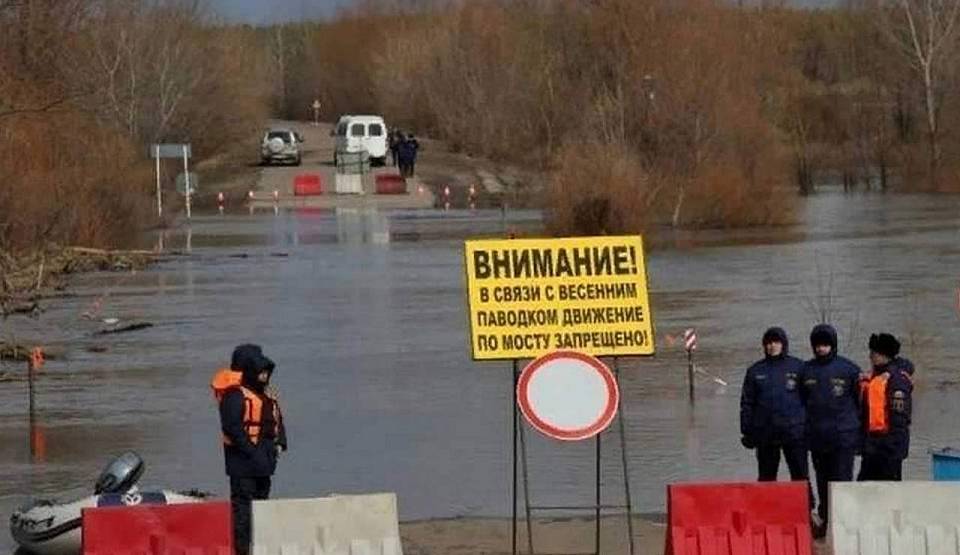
{"points": [[36, 358]]}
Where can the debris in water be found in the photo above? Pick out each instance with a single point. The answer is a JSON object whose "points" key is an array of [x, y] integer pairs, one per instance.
{"points": [[701, 370], [31, 308], [14, 352], [128, 328]]}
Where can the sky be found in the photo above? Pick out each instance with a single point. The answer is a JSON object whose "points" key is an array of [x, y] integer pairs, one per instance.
{"points": [[268, 11]]}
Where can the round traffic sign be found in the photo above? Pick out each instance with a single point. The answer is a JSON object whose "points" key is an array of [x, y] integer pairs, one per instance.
{"points": [[182, 183], [568, 396]]}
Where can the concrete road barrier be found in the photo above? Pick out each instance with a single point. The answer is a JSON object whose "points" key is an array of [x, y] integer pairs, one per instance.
{"points": [[338, 525], [188, 529], [895, 518], [769, 518]]}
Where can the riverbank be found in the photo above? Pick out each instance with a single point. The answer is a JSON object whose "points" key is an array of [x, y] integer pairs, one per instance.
{"points": [[28, 278]]}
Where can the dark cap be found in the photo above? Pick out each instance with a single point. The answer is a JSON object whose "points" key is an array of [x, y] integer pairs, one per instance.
{"points": [[249, 359], [884, 344]]}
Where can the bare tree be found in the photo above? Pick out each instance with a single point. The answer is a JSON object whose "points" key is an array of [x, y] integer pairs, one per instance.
{"points": [[923, 30]]}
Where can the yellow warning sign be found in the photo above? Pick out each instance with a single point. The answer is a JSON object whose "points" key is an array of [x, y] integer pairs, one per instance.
{"points": [[529, 297]]}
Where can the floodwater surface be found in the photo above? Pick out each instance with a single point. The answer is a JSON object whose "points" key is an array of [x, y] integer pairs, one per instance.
{"points": [[365, 316]]}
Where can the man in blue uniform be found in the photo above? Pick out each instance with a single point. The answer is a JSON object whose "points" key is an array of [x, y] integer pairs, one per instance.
{"points": [[831, 395], [772, 417]]}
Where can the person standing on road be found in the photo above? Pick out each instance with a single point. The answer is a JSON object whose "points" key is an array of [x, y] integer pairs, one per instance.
{"points": [[414, 148], [772, 417], [396, 137], [253, 433], [407, 151], [831, 396], [887, 409]]}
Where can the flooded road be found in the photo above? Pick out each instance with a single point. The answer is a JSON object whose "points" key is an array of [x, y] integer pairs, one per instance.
{"points": [[370, 340]]}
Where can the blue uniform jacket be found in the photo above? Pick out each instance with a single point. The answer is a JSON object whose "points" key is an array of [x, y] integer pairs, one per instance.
{"points": [[771, 410], [830, 390]]}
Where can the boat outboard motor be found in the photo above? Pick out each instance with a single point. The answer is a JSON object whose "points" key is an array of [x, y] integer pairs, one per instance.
{"points": [[121, 474]]}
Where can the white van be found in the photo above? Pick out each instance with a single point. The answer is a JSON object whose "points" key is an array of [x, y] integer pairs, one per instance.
{"points": [[357, 133]]}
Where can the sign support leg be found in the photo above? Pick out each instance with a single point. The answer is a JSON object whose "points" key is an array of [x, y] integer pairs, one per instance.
{"points": [[159, 193], [623, 456], [30, 378], [186, 178], [526, 487], [516, 423], [597, 510], [690, 374]]}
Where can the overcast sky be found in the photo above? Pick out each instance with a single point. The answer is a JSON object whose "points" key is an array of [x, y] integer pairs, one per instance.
{"points": [[262, 11], [265, 11]]}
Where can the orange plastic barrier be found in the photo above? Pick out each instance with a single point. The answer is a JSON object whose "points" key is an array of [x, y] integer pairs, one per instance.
{"points": [[738, 519], [390, 184], [305, 185], [188, 529]]}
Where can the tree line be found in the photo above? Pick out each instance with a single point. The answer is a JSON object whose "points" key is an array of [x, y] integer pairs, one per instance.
{"points": [[636, 113], [87, 85], [649, 112]]}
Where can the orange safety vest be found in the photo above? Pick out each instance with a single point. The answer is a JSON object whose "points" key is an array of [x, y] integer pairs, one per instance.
{"points": [[875, 397], [227, 379]]}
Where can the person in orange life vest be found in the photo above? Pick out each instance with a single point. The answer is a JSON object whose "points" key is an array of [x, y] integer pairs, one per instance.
{"points": [[253, 433], [887, 395]]}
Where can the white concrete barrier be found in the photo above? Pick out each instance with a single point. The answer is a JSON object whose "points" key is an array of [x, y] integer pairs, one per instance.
{"points": [[895, 518], [337, 525], [348, 183]]}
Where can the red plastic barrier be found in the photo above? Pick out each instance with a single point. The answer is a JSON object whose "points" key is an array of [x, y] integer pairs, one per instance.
{"points": [[306, 185], [188, 529], [390, 184], [738, 519]]}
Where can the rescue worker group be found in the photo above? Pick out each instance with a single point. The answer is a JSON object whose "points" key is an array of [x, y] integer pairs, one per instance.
{"points": [[828, 409], [823, 408]]}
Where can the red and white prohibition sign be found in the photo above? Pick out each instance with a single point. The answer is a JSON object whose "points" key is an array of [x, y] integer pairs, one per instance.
{"points": [[568, 396]]}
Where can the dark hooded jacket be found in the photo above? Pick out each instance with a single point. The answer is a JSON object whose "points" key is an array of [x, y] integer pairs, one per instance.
{"points": [[830, 389], [771, 412], [243, 458]]}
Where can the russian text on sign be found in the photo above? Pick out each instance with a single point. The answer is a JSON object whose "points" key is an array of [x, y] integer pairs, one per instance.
{"points": [[528, 297]]}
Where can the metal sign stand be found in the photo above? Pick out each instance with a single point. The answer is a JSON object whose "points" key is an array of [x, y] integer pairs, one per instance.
{"points": [[175, 150], [159, 192], [186, 176], [690, 344], [520, 460]]}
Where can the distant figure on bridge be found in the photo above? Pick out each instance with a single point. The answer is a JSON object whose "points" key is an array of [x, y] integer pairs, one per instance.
{"points": [[408, 156], [253, 433], [396, 137]]}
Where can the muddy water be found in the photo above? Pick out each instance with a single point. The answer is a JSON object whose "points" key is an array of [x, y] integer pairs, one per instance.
{"points": [[371, 346]]}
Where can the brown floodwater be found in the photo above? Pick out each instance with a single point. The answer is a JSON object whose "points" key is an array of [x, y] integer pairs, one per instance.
{"points": [[370, 340]]}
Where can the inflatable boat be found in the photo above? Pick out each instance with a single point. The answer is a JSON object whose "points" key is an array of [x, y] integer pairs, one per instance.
{"points": [[48, 527]]}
